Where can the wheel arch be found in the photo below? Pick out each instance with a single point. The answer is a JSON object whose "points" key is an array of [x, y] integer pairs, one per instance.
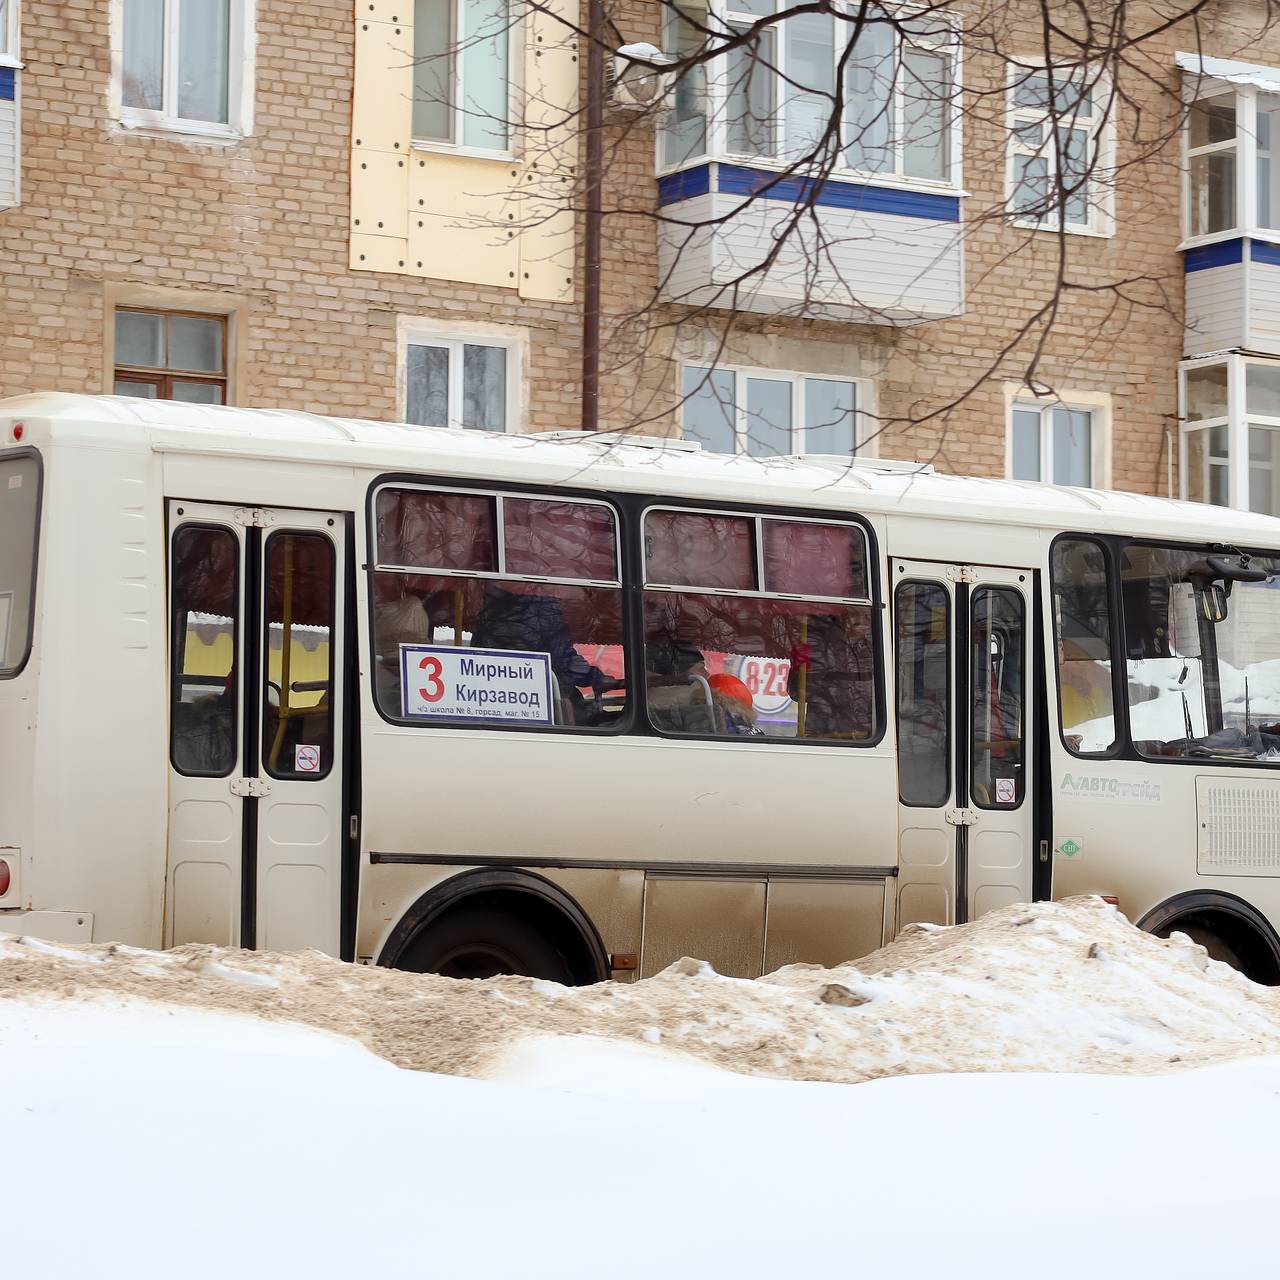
{"points": [[545, 901], [1239, 921]]}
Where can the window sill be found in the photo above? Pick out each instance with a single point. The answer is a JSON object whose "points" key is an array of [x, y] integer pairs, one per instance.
{"points": [[1089, 233], [11, 64], [1238, 233], [470, 153], [152, 127], [850, 176]]}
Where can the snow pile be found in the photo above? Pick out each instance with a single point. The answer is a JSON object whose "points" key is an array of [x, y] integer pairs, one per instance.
{"points": [[146, 1142], [1067, 987]]}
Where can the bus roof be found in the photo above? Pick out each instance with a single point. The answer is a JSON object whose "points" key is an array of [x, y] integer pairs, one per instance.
{"points": [[615, 464]]}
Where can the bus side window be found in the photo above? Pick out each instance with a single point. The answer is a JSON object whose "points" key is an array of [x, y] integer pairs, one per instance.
{"points": [[922, 647], [206, 623], [297, 702], [757, 627], [1082, 636], [509, 605], [998, 684]]}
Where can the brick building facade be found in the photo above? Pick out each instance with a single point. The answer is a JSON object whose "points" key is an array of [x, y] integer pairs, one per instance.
{"points": [[227, 201]]}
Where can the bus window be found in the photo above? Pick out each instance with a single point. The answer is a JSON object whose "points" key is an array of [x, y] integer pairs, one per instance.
{"points": [[1082, 632], [297, 701], [922, 654], [1202, 649], [757, 627], [497, 608], [998, 687], [19, 531], [206, 615]]}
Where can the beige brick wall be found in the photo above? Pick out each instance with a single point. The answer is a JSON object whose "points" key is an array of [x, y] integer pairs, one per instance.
{"points": [[261, 224]]}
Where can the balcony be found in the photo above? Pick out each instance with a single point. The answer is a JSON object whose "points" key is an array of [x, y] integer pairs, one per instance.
{"points": [[776, 197], [1231, 207]]}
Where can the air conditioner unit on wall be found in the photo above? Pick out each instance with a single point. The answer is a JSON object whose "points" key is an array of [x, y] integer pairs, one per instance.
{"points": [[636, 81]]}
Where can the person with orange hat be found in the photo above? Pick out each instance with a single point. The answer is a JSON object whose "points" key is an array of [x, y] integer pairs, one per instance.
{"points": [[734, 702]]}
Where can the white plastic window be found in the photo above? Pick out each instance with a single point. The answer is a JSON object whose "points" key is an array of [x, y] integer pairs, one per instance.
{"points": [[1059, 138], [456, 383], [1052, 443], [182, 64], [775, 97], [1212, 157], [767, 413], [462, 73], [8, 28]]}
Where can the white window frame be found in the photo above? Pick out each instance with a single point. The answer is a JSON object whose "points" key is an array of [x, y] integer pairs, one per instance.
{"points": [[1095, 403], [516, 31], [1243, 146], [241, 62], [1237, 421], [1102, 132], [415, 332], [722, 15], [9, 37], [864, 428]]}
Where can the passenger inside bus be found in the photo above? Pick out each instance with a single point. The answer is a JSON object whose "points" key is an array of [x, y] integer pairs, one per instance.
{"points": [[535, 623]]}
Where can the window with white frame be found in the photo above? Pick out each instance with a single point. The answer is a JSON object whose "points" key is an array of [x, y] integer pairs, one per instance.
{"points": [[767, 413], [1232, 183], [1212, 165], [1052, 442], [1059, 143], [8, 30], [1231, 433], [773, 98], [460, 382], [462, 53], [182, 63]]}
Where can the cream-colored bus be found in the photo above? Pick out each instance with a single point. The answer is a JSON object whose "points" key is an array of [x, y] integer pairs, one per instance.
{"points": [[576, 707]]}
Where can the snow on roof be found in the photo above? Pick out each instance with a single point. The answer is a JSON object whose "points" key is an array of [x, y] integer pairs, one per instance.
{"points": [[607, 463], [1250, 73]]}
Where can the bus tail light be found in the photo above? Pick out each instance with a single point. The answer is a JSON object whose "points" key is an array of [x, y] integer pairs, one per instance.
{"points": [[6, 877], [18, 431]]}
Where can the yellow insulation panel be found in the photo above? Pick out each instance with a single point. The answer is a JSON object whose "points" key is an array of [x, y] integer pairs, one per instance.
{"points": [[453, 216], [382, 112]]}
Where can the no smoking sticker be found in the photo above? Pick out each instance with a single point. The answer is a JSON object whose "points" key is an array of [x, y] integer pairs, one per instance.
{"points": [[306, 759], [1006, 791]]}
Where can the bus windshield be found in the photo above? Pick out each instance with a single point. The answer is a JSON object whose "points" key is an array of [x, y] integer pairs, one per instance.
{"points": [[1202, 653]]}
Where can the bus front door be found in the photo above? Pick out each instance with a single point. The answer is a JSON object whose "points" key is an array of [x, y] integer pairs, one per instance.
{"points": [[962, 658], [256, 745]]}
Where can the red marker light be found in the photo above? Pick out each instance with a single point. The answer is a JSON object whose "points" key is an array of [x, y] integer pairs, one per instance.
{"points": [[6, 878], [17, 430]]}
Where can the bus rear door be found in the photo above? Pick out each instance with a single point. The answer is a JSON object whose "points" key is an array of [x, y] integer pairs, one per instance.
{"points": [[256, 798], [961, 664]]}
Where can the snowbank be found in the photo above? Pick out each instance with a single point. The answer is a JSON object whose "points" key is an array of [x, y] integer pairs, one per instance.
{"points": [[152, 1128], [145, 1142], [1068, 987]]}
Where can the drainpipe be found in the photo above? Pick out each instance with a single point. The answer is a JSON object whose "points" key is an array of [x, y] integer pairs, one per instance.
{"points": [[594, 217]]}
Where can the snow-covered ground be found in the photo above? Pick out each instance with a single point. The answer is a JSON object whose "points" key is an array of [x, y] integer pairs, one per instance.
{"points": [[1046, 1109]]}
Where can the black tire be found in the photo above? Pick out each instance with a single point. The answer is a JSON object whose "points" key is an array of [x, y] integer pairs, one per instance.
{"points": [[483, 940], [1217, 947]]}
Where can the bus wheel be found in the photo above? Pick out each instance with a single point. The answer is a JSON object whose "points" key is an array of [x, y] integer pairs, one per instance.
{"points": [[1227, 927], [1218, 948], [482, 940], [480, 924]]}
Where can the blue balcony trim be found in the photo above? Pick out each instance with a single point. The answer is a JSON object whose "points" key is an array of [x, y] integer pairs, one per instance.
{"points": [[8, 84], [833, 193], [684, 185], [1221, 254], [1261, 251]]}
